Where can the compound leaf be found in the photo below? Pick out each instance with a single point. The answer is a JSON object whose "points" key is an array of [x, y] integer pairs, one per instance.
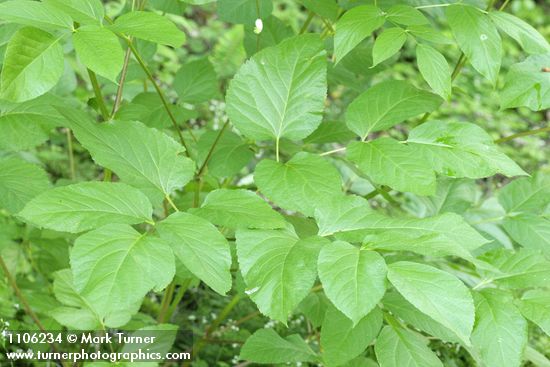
{"points": [[341, 341], [477, 37], [280, 91], [115, 266], [266, 346], [354, 26], [239, 209], [387, 104], [300, 183], [388, 162], [435, 69], [150, 27], [436, 293], [278, 268], [87, 205], [396, 347], [500, 333], [200, 247], [353, 278], [142, 157], [388, 44], [99, 50], [20, 181], [524, 34], [32, 65]]}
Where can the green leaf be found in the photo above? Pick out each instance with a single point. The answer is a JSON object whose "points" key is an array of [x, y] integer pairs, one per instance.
{"points": [[82, 11], [388, 162], [99, 50], [330, 132], [528, 37], [500, 334], [76, 312], [239, 209], [452, 196], [443, 235], [32, 66], [34, 13], [401, 308], [396, 347], [354, 26], [324, 8], [535, 306], [530, 231], [353, 278], [300, 183], [530, 195], [115, 266], [436, 293], [388, 44], [200, 247], [521, 269], [528, 84], [20, 181], [314, 307], [341, 341], [387, 104], [477, 37], [244, 11], [150, 27], [142, 157], [429, 34], [341, 213], [26, 125], [229, 156], [435, 69], [406, 15], [196, 82], [278, 268], [266, 346], [87, 205], [280, 91], [460, 149]]}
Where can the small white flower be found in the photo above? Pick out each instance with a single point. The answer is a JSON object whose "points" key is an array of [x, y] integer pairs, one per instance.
{"points": [[259, 26]]}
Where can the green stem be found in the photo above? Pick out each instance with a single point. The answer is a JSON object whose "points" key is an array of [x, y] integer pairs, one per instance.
{"points": [[503, 6], [277, 149], [432, 6], [98, 96], [178, 297], [169, 200], [118, 98], [211, 151], [24, 302], [165, 103], [166, 300], [523, 133], [221, 317], [310, 17], [70, 152]]}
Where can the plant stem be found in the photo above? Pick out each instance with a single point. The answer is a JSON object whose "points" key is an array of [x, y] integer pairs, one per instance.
{"points": [[166, 300], [503, 6], [523, 133], [333, 151], [307, 22], [118, 98], [24, 302], [70, 152], [211, 151], [169, 200], [277, 149], [221, 317], [98, 96], [177, 298], [432, 6], [165, 103]]}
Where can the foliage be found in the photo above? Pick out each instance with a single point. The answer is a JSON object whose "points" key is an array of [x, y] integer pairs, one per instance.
{"points": [[305, 182]]}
